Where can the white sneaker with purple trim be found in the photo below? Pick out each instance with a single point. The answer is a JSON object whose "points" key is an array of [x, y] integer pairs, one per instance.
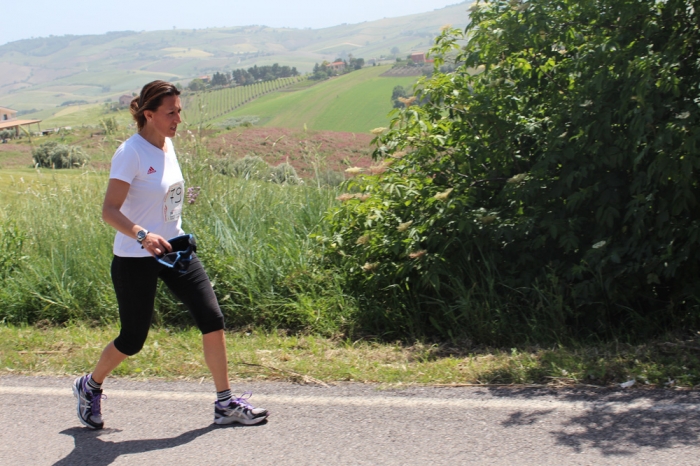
{"points": [[239, 410]]}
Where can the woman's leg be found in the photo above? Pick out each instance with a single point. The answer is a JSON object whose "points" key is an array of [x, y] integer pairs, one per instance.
{"points": [[194, 289], [135, 286], [135, 283], [109, 360], [214, 344]]}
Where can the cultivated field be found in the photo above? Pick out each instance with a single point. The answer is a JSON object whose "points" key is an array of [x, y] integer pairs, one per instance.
{"points": [[356, 102]]}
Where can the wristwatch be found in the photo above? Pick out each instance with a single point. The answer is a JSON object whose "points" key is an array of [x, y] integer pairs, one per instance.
{"points": [[141, 235]]}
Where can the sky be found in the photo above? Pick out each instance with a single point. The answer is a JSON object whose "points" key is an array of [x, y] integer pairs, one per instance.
{"points": [[41, 18]]}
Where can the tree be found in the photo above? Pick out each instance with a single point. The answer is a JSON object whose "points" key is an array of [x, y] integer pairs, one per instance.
{"points": [[398, 92], [320, 72], [219, 79], [196, 85], [549, 185]]}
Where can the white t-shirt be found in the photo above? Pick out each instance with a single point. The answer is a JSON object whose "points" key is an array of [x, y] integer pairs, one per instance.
{"points": [[156, 192]]}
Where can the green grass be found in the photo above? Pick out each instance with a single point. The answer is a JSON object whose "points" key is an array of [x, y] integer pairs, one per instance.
{"points": [[255, 238], [77, 115], [177, 354], [356, 102]]}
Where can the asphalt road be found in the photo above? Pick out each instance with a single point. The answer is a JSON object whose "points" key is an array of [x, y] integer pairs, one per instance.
{"points": [[170, 423]]}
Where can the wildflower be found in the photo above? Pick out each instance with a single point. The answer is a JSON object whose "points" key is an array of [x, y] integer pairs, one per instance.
{"points": [[443, 195], [362, 240], [370, 267], [379, 130], [486, 219], [516, 179], [404, 226], [354, 170], [344, 197], [192, 194], [417, 254], [377, 169]]}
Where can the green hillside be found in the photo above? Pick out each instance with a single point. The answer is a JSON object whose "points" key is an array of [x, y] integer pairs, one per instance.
{"points": [[43, 73], [355, 102]]}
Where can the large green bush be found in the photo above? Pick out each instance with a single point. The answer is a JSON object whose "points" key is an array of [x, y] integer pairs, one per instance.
{"points": [[55, 155], [547, 187]]}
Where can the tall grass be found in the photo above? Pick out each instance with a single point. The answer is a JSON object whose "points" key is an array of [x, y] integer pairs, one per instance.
{"points": [[254, 239]]}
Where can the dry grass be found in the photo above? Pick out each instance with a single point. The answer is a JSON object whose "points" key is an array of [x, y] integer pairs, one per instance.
{"points": [[308, 359]]}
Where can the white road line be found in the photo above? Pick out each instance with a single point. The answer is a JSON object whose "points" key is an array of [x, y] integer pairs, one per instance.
{"points": [[388, 402]]}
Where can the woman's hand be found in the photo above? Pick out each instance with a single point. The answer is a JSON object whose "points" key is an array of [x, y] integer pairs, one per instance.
{"points": [[156, 244]]}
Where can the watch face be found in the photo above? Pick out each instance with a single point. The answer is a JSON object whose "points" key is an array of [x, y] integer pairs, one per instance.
{"points": [[141, 235]]}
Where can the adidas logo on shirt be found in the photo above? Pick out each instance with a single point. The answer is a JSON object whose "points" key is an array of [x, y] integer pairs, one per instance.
{"points": [[151, 170]]}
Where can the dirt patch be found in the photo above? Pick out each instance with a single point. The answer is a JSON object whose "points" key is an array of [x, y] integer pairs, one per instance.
{"points": [[331, 150], [15, 155]]}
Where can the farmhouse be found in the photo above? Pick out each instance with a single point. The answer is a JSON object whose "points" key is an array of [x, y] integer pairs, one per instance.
{"points": [[418, 57], [337, 66], [8, 120], [125, 100], [7, 114]]}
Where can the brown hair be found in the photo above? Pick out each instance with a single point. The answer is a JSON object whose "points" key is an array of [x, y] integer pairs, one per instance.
{"points": [[151, 98]]}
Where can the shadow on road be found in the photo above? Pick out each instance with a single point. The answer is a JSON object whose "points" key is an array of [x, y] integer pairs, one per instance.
{"points": [[90, 449], [622, 433], [614, 430]]}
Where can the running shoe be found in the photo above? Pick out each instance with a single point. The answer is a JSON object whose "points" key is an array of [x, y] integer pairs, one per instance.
{"points": [[239, 410], [89, 403]]}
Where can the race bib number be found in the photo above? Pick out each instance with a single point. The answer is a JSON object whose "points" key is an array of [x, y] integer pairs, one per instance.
{"points": [[172, 207]]}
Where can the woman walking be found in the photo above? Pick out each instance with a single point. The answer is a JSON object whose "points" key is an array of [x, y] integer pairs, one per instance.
{"points": [[143, 203]]}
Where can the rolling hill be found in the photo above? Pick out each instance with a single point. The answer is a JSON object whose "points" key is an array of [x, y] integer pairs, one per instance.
{"points": [[355, 102], [45, 72]]}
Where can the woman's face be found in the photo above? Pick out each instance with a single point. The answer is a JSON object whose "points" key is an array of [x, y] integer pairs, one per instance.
{"points": [[166, 118]]}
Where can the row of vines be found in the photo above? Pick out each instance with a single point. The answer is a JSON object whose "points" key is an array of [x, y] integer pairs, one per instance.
{"points": [[208, 105]]}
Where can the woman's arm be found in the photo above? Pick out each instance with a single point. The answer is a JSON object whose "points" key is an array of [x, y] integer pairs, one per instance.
{"points": [[112, 215]]}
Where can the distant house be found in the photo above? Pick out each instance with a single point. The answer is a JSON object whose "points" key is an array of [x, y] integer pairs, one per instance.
{"points": [[337, 66], [125, 100], [8, 120], [7, 114], [205, 79], [418, 57]]}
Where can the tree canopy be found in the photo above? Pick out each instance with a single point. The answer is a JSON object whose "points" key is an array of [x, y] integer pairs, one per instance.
{"points": [[548, 185]]}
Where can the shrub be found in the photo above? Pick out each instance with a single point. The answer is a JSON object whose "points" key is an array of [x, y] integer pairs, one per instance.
{"points": [[251, 168], [284, 173], [109, 125], [553, 192], [54, 155], [7, 134], [331, 178]]}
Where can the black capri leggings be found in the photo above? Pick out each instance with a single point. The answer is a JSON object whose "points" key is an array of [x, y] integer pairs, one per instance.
{"points": [[135, 282]]}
